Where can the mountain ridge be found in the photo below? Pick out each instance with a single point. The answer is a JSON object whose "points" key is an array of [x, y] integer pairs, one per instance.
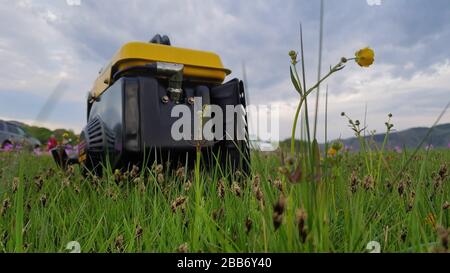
{"points": [[410, 138]]}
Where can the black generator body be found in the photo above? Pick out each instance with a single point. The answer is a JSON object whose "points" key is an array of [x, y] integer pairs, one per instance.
{"points": [[130, 120]]}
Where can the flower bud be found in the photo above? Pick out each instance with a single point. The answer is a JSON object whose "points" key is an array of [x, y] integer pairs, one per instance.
{"points": [[293, 56]]}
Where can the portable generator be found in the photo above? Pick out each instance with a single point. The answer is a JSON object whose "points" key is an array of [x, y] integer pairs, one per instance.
{"points": [[129, 108]]}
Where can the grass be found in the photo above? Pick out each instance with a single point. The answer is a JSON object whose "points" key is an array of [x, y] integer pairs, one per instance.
{"points": [[159, 210]]}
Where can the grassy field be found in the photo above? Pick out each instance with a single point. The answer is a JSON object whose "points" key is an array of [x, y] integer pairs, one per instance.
{"points": [[405, 209]]}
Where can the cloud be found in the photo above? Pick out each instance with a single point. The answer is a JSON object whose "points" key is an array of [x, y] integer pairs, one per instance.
{"points": [[44, 43]]}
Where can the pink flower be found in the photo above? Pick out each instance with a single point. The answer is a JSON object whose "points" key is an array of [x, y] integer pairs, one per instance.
{"points": [[448, 145], [37, 152], [398, 149], [8, 147]]}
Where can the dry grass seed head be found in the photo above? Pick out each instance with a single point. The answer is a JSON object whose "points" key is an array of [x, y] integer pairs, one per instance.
{"points": [[446, 205], [159, 168], [66, 182], [277, 183], [443, 172], [137, 180], [236, 189], [118, 176], [142, 187], [139, 231], [221, 188], [283, 170], [404, 234], [280, 205], [369, 183], [277, 220], [119, 243], [179, 201], [248, 225], [160, 178], [401, 188], [111, 193], [256, 181], [412, 198], [77, 189], [135, 172], [183, 248], [257, 190], [43, 199], [354, 182], [443, 234], [278, 210], [187, 185], [39, 182], [180, 173], [70, 171], [15, 184], [259, 196], [5, 206], [302, 217], [95, 181]]}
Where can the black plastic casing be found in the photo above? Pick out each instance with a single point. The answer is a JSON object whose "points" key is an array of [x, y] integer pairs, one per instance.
{"points": [[130, 123]]}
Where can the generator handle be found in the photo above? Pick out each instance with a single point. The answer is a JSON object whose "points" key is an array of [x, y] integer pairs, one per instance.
{"points": [[157, 39]]}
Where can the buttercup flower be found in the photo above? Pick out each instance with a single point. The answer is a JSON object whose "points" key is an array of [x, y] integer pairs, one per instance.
{"points": [[332, 152], [365, 57]]}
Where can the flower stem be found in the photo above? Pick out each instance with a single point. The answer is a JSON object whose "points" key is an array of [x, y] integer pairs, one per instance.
{"points": [[333, 70], [294, 127]]}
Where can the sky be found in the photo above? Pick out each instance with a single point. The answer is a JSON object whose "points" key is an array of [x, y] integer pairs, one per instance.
{"points": [[52, 51]]}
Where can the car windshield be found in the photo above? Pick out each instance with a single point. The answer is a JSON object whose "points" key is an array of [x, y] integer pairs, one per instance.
{"points": [[12, 128], [21, 131]]}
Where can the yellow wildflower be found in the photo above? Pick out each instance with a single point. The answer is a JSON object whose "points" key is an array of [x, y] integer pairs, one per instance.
{"points": [[365, 57], [332, 152]]}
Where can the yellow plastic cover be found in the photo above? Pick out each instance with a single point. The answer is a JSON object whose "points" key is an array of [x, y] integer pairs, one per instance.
{"points": [[199, 65]]}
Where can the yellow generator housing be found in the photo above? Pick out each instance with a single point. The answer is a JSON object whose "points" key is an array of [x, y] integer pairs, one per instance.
{"points": [[200, 66]]}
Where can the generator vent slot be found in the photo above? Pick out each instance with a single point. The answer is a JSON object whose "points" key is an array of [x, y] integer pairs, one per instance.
{"points": [[99, 138]]}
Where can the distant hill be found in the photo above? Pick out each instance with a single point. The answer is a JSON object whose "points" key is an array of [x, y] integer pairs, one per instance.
{"points": [[410, 138], [43, 134]]}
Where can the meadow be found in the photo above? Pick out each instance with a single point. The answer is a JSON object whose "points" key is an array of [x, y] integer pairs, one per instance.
{"points": [[156, 209], [303, 197]]}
